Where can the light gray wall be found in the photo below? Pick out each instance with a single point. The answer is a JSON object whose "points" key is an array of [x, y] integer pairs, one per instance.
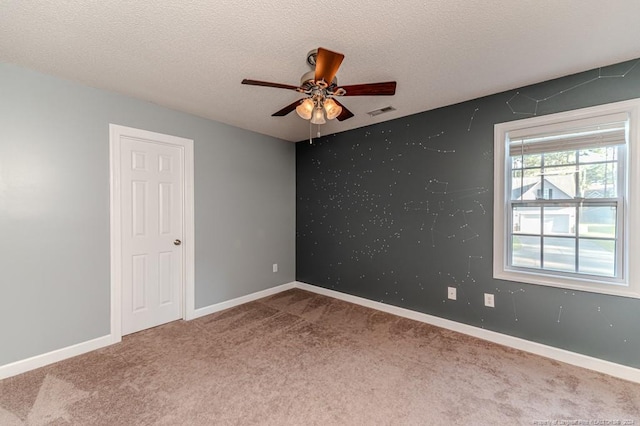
{"points": [[54, 208]]}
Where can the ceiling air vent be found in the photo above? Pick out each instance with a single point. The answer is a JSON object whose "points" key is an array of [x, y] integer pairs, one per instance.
{"points": [[381, 111]]}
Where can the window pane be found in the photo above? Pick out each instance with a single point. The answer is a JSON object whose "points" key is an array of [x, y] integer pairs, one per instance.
{"points": [[598, 154], [599, 180], [531, 160], [597, 257], [559, 183], [559, 158], [525, 187], [526, 220], [560, 254], [517, 184], [598, 221], [560, 221], [526, 251]]}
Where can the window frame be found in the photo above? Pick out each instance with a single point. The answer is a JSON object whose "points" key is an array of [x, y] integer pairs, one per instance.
{"points": [[629, 207]]}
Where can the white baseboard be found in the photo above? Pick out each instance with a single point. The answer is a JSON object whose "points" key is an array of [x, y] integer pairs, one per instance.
{"points": [[562, 355], [24, 365], [207, 310]]}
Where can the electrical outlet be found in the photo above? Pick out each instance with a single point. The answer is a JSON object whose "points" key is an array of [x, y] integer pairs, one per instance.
{"points": [[489, 300], [275, 267], [452, 294]]}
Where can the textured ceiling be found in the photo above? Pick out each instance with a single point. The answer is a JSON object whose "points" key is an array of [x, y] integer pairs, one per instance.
{"points": [[192, 55]]}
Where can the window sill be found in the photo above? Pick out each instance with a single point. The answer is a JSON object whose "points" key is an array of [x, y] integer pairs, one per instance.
{"points": [[579, 284]]}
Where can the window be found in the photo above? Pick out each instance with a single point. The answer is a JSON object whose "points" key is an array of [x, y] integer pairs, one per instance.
{"points": [[566, 190]]}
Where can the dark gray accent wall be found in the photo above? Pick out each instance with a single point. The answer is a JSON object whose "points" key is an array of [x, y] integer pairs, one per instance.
{"points": [[54, 208], [396, 212]]}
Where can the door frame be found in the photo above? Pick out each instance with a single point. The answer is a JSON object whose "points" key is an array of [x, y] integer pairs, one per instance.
{"points": [[116, 132]]}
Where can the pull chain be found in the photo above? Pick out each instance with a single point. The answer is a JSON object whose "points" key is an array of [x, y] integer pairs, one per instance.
{"points": [[311, 130]]}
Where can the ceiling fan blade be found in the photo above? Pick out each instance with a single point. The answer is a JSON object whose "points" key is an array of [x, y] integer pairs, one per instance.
{"points": [[286, 110], [327, 64], [268, 84], [345, 114], [387, 88]]}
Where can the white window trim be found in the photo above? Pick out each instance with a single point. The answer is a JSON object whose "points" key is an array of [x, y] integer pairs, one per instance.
{"points": [[630, 286]]}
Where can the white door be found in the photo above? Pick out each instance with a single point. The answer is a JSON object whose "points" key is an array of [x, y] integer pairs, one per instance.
{"points": [[151, 208]]}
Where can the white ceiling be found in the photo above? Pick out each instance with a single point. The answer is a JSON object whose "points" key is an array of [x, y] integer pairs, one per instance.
{"points": [[192, 55]]}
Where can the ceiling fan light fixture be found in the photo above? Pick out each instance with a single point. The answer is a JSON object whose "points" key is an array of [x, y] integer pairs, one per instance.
{"points": [[305, 109], [318, 116], [332, 109]]}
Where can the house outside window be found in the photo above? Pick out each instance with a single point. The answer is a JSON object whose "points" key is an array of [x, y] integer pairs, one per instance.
{"points": [[566, 190]]}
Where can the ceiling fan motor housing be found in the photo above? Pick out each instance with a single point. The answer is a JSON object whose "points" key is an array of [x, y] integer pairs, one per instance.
{"points": [[307, 81]]}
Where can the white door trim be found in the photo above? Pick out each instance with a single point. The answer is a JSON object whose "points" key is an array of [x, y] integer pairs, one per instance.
{"points": [[115, 133]]}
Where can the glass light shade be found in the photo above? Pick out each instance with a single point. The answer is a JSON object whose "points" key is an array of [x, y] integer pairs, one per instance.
{"points": [[305, 109], [318, 116], [332, 108]]}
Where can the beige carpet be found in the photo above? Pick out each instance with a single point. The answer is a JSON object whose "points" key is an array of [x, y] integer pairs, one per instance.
{"points": [[298, 358]]}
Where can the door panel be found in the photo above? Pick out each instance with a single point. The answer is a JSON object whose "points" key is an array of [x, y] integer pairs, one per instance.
{"points": [[139, 283], [166, 278], [138, 206]]}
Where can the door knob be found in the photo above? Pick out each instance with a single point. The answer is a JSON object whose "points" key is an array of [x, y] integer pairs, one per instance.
{"points": [[177, 242]]}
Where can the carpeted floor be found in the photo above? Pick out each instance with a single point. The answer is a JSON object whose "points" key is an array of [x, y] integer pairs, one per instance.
{"points": [[297, 358]]}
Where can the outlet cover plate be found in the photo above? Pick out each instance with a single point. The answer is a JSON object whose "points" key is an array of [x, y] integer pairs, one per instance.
{"points": [[452, 293], [489, 300]]}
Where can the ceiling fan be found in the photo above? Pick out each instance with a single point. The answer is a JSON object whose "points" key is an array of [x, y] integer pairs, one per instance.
{"points": [[321, 87]]}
